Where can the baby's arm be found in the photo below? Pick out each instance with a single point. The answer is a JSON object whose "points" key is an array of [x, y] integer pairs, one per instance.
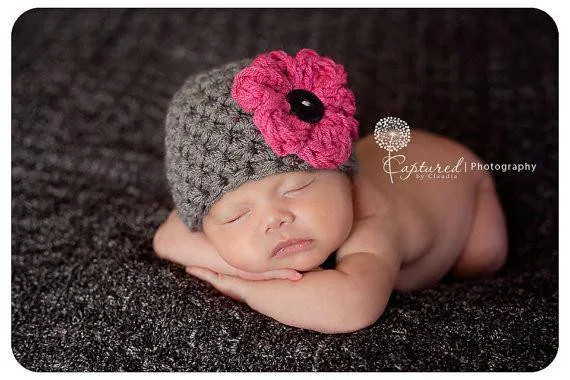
{"points": [[175, 242], [345, 299]]}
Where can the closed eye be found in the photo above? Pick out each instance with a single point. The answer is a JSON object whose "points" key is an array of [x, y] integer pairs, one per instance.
{"points": [[300, 188], [236, 218]]}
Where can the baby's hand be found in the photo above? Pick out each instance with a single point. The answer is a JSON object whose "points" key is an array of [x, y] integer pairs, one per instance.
{"points": [[230, 286], [236, 286]]}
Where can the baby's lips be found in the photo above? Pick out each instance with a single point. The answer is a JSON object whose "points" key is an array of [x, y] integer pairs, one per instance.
{"points": [[291, 246]]}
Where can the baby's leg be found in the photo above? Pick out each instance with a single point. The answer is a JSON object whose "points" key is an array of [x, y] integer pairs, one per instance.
{"points": [[485, 251]]}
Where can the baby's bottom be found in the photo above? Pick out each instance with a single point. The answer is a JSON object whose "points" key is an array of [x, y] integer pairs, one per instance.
{"points": [[485, 248], [485, 251]]}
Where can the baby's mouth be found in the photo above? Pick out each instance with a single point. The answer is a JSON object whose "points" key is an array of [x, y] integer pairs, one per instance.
{"points": [[291, 246]]}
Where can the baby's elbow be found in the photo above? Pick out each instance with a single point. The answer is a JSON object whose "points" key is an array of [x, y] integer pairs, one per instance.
{"points": [[356, 316], [363, 309], [361, 320]]}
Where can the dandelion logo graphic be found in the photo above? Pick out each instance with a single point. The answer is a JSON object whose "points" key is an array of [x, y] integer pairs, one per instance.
{"points": [[392, 134]]}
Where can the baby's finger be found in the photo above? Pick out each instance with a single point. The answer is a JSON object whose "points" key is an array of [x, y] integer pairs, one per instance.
{"points": [[285, 274], [281, 274], [252, 276], [230, 286]]}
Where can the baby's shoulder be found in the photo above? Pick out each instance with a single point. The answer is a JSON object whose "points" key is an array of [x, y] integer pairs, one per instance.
{"points": [[367, 198], [372, 230]]}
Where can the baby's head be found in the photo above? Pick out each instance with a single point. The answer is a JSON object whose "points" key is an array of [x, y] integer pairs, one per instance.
{"points": [[246, 224], [260, 152]]}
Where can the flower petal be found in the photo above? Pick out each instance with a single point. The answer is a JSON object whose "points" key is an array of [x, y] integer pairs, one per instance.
{"points": [[330, 143], [332, 70], [277, 60], [338, 99], [313, 71], [305, 66], [284, 133], [254, 86]]}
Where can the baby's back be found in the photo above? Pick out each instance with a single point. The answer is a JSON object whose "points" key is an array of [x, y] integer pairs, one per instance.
{"points": [[434, 210]]}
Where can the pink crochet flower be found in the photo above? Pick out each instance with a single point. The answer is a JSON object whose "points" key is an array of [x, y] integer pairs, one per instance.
{"points": [[301, 105]]}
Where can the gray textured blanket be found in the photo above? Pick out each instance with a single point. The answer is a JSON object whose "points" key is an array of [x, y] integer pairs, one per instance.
{"points": [[89, 94]]}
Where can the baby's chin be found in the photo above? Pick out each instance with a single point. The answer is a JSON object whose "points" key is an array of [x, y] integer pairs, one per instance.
{"points": [[301, 262]]}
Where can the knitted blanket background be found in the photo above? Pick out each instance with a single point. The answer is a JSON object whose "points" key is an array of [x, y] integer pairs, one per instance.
{"points": [[90, 90]]}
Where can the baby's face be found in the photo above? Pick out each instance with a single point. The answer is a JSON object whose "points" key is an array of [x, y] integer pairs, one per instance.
{"points": [[246, 224]]}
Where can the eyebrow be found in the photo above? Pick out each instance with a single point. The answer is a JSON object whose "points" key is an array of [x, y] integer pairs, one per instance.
{"points": [[228, 210], [230, 207]]}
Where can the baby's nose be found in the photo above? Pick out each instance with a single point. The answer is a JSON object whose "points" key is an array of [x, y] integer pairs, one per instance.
{"points": [[277, 218]]}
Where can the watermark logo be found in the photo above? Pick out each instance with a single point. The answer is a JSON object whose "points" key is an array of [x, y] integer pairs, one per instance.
{"points": [[393, 134]]}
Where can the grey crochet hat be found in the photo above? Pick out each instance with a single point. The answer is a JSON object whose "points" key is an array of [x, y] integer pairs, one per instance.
{"points": [[212, 146]]}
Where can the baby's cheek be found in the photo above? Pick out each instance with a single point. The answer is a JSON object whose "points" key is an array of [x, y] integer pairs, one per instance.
{"points": [[333, 222], [243, 257]]}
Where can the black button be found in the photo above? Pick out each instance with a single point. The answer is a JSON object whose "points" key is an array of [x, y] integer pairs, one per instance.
{"points": [[306, 106]]}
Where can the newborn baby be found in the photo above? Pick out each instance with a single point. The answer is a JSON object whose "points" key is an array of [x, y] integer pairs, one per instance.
{"points": [[269, 188]]}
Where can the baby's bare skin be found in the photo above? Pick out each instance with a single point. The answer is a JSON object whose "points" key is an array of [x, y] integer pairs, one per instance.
{"points": [[406, 235], [446, 224]]}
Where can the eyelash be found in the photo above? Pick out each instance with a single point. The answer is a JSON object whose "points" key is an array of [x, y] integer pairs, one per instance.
{"points": [[234, 219], [300, 188]]}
